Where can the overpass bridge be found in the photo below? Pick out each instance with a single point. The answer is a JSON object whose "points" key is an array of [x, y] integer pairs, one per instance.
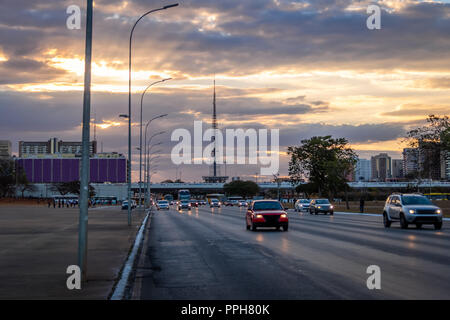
{"points": [[119, 190]]}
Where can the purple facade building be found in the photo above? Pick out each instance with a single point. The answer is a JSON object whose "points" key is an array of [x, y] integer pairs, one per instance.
{"points": [[53, 170]]}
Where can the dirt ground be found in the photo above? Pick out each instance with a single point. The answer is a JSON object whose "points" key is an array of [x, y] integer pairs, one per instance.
{"points": [[37, 244]]}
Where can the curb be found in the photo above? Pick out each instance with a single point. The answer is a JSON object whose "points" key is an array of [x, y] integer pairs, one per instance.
{"points": [[121, 286]]}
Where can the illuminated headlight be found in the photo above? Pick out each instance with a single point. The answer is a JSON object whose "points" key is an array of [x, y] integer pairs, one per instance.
{"points": [[319, 207], [412, 211], [259, 216], [283, 215], [438, 211], [331, 207]]}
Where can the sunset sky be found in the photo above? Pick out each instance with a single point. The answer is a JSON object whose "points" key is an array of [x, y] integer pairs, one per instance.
{"points": [[305, 67]]}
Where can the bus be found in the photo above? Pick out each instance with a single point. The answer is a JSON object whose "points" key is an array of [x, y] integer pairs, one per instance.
{"points": [[219, 196], [234, 200], [184, 194], [437, 196], [168, 197]]}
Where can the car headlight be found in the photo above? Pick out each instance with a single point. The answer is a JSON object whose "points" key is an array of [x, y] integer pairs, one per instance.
{"points": [[412, 211], [259, 216], [331, 207], [438, 211], [319, 207], [283, 215]]}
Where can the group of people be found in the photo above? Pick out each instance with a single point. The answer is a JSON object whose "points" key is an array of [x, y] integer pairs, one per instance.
{"points": [[62, 203], [67, 203]]}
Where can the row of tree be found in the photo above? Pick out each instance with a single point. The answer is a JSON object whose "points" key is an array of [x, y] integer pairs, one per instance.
{"points": [[13, 179], [326, 163]]}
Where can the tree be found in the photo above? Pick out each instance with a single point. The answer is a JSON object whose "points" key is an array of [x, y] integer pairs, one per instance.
{"points": [[244, 189], [22, 181], [306, 188], [7, 178], [72, 187], [325, 161], [432, 140]]}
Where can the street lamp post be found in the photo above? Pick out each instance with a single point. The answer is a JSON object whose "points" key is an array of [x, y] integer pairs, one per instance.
{"points": [[84, 179], [140, 138], [151, 138], [149, 160], [129, 103], [146, 168], [148, 174]]}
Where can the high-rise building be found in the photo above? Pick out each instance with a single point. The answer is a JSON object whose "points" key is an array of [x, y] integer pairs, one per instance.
{"points": [[362, 170], [410, 161], [430, 162], [381, 167], [75, 147], [5, 149], [52, 146], [397, 168], [447, 166]]}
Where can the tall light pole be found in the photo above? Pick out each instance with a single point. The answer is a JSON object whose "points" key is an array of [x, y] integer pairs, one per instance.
{"points": [[140, 138], [151, 138], [84, 179], [149, 160], [145, 166], [129, 103]]}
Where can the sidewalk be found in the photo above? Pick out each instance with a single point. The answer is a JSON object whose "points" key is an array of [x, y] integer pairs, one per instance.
{"points": [[38, 243]]}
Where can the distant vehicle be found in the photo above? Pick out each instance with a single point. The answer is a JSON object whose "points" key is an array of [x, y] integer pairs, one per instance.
{"points": [[234, 200], [302, 204], [202, 202], [168, 197], [184, 204], [266, 213], [214, 203], [162, 205], [242, 203], [411, 209], [172, 202], [125, 204], [194, 203], [321, 206], [184, 194], [437, 196], [219, 196], [228, 203]]}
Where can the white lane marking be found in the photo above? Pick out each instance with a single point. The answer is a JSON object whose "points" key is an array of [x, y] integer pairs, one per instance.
{"points": [[371, 214], [119, 291]]}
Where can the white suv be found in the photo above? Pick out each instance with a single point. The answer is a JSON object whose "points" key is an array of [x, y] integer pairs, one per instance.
{"points": [[411, 209]]}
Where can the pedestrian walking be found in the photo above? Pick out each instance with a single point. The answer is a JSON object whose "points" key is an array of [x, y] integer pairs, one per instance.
{"points": [[361, 205]]}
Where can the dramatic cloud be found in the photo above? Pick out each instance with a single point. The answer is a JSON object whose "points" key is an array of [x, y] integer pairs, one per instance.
{"points": [[306, 67]]}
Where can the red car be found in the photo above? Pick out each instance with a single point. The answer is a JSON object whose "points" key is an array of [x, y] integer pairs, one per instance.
{"points": [[266, 213]]}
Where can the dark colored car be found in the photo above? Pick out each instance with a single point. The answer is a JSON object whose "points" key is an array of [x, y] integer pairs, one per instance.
{"points": [[194, 203], [266, 213], [184, 204], [321, 206]]}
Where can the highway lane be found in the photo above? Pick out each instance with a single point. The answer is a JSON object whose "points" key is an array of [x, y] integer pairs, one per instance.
{"points": [[208, 254]]}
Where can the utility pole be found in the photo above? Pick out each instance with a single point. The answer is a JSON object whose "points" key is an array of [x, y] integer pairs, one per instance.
{"points": [[84, 181]]}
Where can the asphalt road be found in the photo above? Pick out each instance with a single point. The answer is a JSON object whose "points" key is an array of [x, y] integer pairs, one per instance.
{"points": [[208, 254]]}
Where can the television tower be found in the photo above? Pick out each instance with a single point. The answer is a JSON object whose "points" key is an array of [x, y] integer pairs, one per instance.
{"points": [[214, 174], [214, 125]]}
